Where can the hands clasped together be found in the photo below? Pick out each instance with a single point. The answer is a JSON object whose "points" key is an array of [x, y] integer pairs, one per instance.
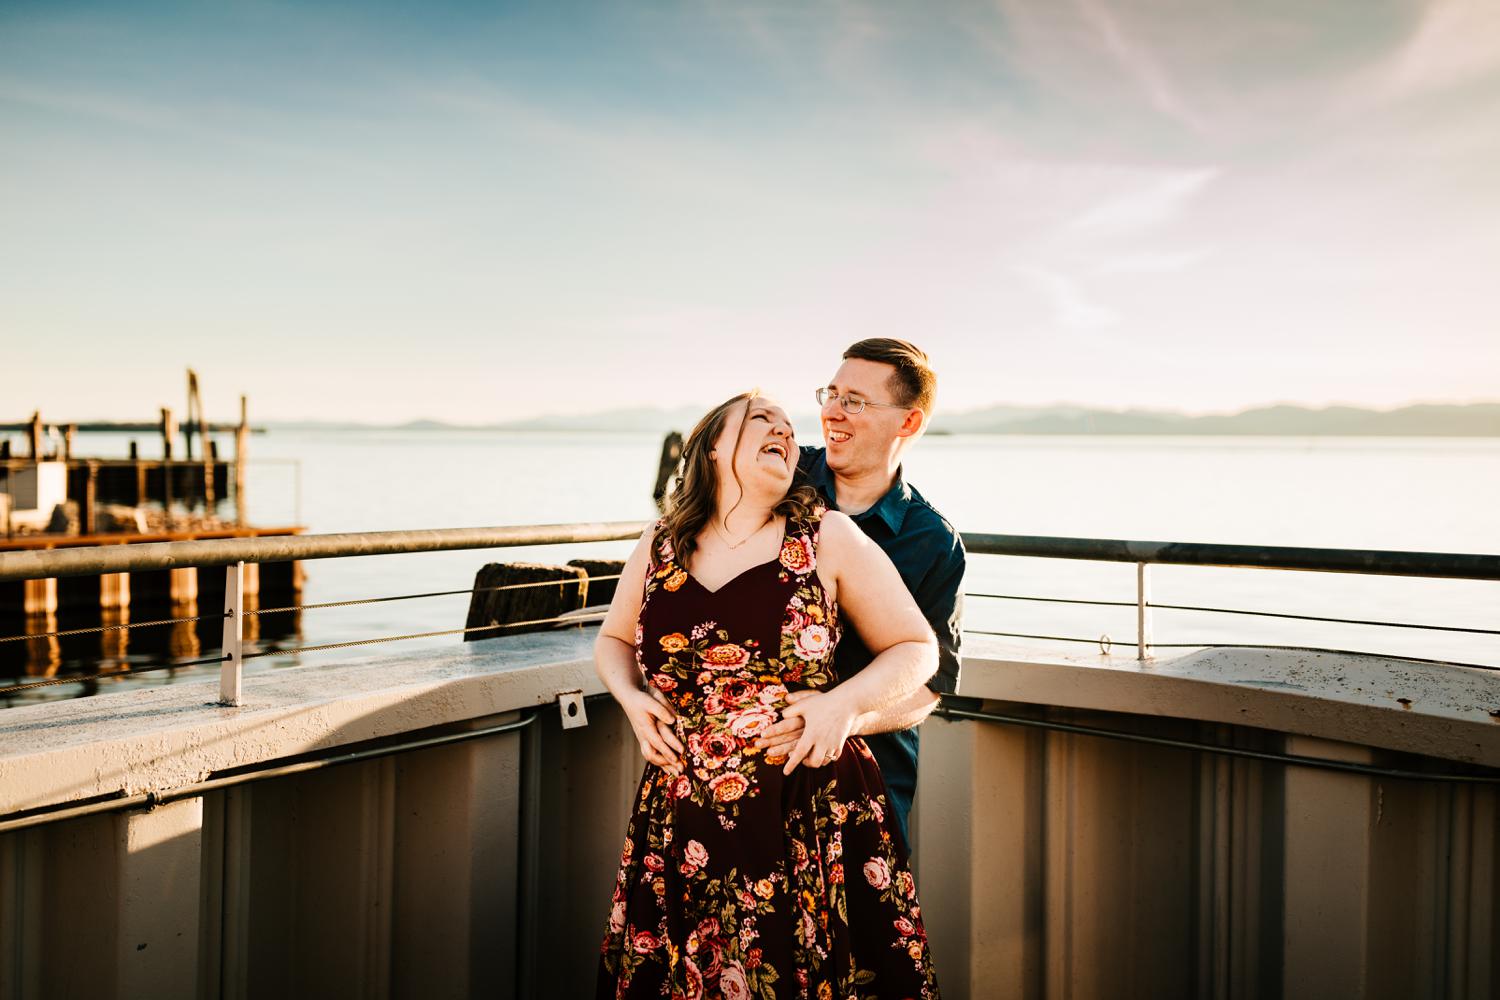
{"points": [[812, 730]]}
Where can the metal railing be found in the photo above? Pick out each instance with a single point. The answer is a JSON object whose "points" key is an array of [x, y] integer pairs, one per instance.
{"points": [[1370, 562], [233, 554]]}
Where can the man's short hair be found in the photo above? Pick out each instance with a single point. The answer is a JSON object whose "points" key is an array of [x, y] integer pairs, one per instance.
{"points": [[914, 382]]}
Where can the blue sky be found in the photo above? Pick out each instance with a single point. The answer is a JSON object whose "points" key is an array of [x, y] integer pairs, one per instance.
{"points": [[481, 212]]}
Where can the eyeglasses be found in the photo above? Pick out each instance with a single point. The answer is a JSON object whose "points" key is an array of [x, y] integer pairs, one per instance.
{"points": [[851, 404]]}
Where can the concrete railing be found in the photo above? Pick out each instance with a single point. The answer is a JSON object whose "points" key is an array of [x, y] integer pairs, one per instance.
{"points": [[1100, 843]]}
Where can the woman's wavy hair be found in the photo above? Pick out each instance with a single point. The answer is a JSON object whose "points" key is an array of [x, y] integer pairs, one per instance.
{"points": [[695, 495]]}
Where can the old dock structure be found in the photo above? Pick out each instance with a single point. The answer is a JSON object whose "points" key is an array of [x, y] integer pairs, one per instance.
{"points": [[52, 497]]}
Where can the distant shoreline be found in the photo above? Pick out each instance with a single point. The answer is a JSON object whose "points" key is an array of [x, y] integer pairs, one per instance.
{"points": [[1476, 420]]}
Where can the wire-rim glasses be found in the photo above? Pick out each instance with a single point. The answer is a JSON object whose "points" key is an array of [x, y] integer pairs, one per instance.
{"points": [[850, 404]]}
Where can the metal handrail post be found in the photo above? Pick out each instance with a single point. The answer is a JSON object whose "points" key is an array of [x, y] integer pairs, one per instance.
{"points": [[231, 670], [1142, 613]]}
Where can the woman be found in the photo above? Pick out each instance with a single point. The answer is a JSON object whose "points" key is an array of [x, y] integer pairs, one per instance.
{"points": [[744, 875]]}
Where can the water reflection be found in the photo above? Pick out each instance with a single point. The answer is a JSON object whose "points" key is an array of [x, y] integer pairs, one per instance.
{"points": [[106, 648]]}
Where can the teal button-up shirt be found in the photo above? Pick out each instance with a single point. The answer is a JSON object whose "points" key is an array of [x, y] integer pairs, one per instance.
{"points": [[930, 557]]}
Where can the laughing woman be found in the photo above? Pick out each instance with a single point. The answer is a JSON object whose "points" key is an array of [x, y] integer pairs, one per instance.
{"points": [[745, 875]]}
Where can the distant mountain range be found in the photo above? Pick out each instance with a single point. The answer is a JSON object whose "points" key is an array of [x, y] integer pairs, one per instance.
{"points": [[1424, 420]]}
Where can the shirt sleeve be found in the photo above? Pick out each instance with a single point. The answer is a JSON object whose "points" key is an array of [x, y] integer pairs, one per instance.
{"points": [[940, 596]]}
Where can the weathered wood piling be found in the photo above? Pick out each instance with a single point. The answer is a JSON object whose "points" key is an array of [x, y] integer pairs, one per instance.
{"points": [[512, 598]]}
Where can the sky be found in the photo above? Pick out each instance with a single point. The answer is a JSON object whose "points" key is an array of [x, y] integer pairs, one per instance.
{"points": [[474, 213]]}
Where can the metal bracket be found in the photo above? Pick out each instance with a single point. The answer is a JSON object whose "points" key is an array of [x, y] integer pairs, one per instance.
{"points": [[231, 670], [570, 705]]}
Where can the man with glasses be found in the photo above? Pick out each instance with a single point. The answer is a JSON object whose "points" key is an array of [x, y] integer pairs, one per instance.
{"points": [[877, 404]]}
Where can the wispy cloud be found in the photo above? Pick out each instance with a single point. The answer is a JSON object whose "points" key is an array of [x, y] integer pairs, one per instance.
{"points": [[1072, 309], [589, 187], [1140, 66], [1455, 42], [117, 109], [1147, 262], [1145, 206]]}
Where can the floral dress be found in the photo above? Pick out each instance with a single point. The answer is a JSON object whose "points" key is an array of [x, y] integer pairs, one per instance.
{"points": [[737, 881]]}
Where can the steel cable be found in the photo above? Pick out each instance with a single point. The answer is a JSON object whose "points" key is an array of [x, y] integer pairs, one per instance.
{"points": [[1127, 643], [562, 619], [1242, 611], [107, 675], [63, 633]]}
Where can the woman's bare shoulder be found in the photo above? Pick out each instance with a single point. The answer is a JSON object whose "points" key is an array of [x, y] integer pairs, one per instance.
{"points": [[838, 537], [837, 526]]}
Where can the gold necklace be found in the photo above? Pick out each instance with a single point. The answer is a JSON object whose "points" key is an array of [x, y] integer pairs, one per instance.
{"points": [[742, 541]]}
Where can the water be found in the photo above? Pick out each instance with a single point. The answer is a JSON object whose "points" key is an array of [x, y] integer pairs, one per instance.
{"points": [[1404, 493]]}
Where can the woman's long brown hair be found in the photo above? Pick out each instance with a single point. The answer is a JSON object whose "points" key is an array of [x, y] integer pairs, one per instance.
{"points": [[696, 494]]}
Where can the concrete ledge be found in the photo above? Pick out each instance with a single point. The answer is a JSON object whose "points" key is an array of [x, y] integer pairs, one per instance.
{"points": [[152, 739], [1424, 708]]}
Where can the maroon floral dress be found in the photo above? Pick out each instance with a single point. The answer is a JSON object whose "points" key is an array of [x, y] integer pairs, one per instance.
{"points": [[737, 881]]}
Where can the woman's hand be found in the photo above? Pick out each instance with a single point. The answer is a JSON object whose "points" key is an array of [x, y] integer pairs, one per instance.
{"points": [[781, 737], [827, 719], [653, 723]]}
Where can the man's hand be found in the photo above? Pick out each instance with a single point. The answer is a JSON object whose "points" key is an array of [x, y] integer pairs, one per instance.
{"points": [[778, 740]]}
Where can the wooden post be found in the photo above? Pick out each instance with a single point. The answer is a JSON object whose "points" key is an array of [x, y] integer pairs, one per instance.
{"points": [[39, 597], [600, 592], [192, 426], [168, 432], [241, 440], [70, 435], [545, 592], [210, 464], [671, 457], [90, 498], [36, 436], [208, 479]]}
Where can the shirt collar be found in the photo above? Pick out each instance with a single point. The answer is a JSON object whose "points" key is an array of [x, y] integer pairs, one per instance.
{"points": [[890, 508]]}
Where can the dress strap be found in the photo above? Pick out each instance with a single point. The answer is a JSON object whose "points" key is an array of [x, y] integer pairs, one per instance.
{"points": [[661, 565], [799, 549], [658, 540]]}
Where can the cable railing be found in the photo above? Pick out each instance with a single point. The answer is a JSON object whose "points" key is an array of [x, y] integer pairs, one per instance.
{"points": [[234, 553], [1144, 554], [574, 618]]}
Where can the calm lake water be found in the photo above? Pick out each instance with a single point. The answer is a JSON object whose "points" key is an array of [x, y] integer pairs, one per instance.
{"points": [[1398, 493]]}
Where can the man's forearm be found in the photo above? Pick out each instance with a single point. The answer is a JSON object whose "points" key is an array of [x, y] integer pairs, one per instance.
{"points": [[904, 714]]}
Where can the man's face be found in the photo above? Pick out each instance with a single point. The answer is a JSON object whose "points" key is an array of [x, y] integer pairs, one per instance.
{"points": [[860, 442]]}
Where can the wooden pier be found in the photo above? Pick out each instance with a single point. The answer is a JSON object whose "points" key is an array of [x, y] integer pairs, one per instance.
{"points": [[52, 497], [195, 480]]}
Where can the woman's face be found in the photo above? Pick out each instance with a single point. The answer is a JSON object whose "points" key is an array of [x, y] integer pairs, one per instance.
{"points": [[766, 457]]}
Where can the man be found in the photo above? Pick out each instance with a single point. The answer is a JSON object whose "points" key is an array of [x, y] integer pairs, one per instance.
{"points": [[876, 405]]}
